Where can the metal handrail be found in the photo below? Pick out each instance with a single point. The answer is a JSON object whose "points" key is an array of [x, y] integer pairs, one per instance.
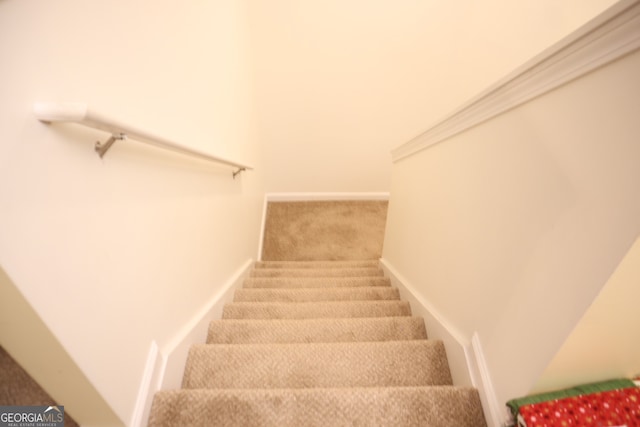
{"points": [[80, 113]]}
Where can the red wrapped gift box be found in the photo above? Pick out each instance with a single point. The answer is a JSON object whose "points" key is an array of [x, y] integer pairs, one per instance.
{"points": [[609, 408]]}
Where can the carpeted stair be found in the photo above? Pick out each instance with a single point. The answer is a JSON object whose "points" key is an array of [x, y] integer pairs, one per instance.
{"points": [[317, 344]]}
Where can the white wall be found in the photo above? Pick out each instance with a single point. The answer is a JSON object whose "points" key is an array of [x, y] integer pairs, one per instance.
{"points": [[115, 253], [341, 83], [605, 344], [33, 340], [334, 81], [512, 228]]}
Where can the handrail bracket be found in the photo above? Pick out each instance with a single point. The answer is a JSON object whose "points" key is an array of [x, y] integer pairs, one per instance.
{"points": [[238, 171], [77, 112], [102, 149]]}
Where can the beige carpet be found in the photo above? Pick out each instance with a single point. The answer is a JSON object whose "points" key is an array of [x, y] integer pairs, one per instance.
{"points": [[324, 230], [317, 344], [17, 388], [314, 407], [318, 337]]}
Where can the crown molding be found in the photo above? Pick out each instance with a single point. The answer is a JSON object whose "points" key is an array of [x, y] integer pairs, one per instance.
{"points": [[611, 35]]}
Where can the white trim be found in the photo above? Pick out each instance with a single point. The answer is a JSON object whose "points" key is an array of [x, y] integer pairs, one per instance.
{"points": [[301, 197], [466, 358], [150, 383], [164, 369], [614, 33], [263, 221], [495, 413], [438, 327], [195, 330]]}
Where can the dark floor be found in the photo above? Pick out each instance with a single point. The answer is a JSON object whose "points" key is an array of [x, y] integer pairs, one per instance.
{"points": [[17, 388]]}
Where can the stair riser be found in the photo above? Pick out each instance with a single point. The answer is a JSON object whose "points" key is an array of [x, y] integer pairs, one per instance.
{"points": [[308, 272], [318, 295], [310, 282], [316, 330], [403, 363], [318, 343], [391, 407], [249, 310], [317, 264]]}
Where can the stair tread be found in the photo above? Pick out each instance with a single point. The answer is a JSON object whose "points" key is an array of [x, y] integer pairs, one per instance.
{"points": [[442, 406], [317, 264], [344, 364], [316, 272], [318, 342], [359, 293], [308, 310], [315, 282], [250, 331]]}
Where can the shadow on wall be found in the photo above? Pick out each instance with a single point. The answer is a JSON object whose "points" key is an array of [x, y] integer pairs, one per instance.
{"points": [[44, 361], [17, 388], [606, 322]]}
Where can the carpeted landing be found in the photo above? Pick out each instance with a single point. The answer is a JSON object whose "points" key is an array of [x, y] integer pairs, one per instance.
{"points": [[324, 230], [317, 344]]}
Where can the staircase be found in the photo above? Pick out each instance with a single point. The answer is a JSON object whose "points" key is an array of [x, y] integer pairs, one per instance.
{"points": [[320, 343]]}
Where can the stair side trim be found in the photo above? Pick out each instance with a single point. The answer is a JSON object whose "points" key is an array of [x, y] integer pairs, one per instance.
{"points": [[263, 226], [150, 383], [497, 415], [466, 359], [165, 365], [195, 330], [438, 327]]}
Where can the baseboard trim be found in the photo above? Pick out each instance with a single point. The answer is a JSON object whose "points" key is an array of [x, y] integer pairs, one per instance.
{"points": [[301, 197], [496, 414], [466, 358], [611, 35], [195, 331], [438, 327], [165, 367], [263, 221], [148, 386]]}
